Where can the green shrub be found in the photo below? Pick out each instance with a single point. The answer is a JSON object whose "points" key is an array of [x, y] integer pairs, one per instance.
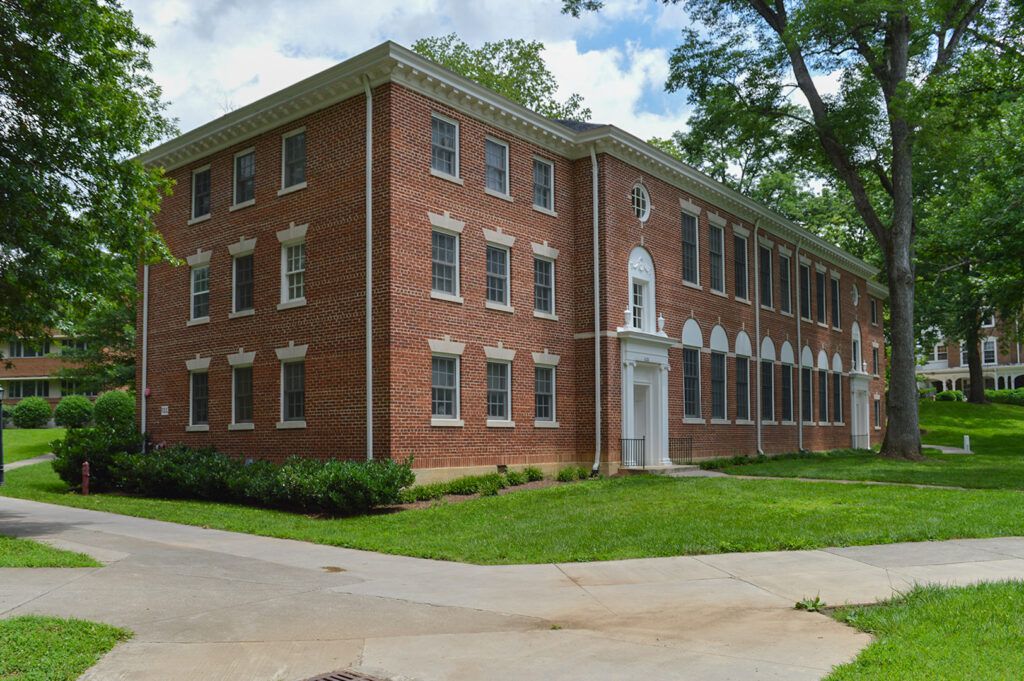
{"points": [[515, 478], [533, 474], [1015, 396], [95, 445], [490, 487], [950, 396], [566, 474], [114, 412], [73, 411], [31, 412]]}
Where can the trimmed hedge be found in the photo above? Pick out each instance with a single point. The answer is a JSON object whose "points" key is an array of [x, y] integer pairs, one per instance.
{"points": [[950, 396], [328, 487], [114, 412], [485, 485], [73, 411], [31, 412], [98, 446], [1015, 396]]}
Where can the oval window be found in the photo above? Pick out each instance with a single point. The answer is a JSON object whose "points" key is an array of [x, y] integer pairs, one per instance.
{"points": [[641, 202]]}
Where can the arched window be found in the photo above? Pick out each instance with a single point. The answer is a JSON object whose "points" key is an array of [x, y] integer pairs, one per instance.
{"points": [[641, 201], [742, 376], [719, 392], [806, 386], [641, 291], [767, 379], [693, 341], [855, 359], [822, 387], [786, 379]]}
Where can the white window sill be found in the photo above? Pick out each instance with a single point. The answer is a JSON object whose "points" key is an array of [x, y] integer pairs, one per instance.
{"points": [[197, 321], [878, 427], [744, 422], [545, 315], [876, 376], [242, 313], [719, 422], [546, 211], [546, 424], [694, 421], [241, 426], [745, 301], [201, 218], [768, 308], [493, 423], [823, 325], [290, 425], [839, 424], [500, 307], [243, 204], [441, 295], [824, 423], [769, 423], [289, 304], [837, 328], [446, 176], [446, 423], [203, 428], [697, 286], [785, 314], [807, 319], [721, 294], [293, 188], [498, 195]]}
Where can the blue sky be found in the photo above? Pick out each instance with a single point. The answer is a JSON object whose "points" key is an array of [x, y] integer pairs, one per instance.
{"points": [[216, 55]]}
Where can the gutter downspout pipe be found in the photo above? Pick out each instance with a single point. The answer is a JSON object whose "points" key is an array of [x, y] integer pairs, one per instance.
{"points": [[757, 334], [799, 353], [597, 314], [145, 352], [369, 268]]}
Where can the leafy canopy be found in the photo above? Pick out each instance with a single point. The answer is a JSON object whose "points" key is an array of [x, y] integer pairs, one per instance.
{"points": [[512, 67]]}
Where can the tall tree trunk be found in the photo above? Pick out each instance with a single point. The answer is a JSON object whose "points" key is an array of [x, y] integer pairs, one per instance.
{"points": [[976, 387], [903, 434]]}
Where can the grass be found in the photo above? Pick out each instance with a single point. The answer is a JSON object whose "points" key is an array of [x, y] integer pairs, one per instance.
{"points": [[997, 434], [52, 649], [25, 553], [25, 443], [971, 633], [602, 519]]}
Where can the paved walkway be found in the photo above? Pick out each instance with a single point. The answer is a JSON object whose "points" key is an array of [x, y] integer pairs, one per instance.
{"points": [[42, 458], [214, 605]]}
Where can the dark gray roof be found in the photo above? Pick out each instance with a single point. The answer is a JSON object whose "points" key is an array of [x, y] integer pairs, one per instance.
{"points": [[578, 126]]}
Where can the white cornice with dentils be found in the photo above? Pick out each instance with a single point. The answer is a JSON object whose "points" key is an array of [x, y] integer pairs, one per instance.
{"points": [[390, 62]]}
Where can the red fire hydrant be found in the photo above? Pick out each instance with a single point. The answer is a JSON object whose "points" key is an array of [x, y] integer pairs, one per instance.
{"points": [[85, 478]]}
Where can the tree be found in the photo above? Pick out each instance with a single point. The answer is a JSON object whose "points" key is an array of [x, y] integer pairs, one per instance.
{"points": [[76, 104], [512, 67], [105, 357], [890, 60]]}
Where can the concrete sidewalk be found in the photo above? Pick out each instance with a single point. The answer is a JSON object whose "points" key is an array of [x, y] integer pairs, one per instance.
{"points": [[214, 605]]}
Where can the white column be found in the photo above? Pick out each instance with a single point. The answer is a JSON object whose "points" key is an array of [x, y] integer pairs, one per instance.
{"points": [[663, 412], [627, 399]]}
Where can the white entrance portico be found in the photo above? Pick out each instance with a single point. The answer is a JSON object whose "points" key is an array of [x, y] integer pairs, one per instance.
{"points": [[859, 434], [644, 352]]}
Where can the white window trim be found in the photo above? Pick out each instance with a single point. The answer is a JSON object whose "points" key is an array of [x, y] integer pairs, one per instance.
{"points": [[647, 201], [294, 235], [444, 295], [508, 422], [766, 245], [547, 360], [725, 386], [240, 360], [234, 314], [457, 177], [456, 354], [693, 210], [492, 304], [721, 232], [695, 420], [287, 355], [995, 347], [507, 193], [740, 233], [836, 305], [810, 291], [544, 209], [540, 314], [193, 218], [987, 325], [198, 261], [234, 180], [301, 185], [784, 253], [199, 365], [874, 312]]}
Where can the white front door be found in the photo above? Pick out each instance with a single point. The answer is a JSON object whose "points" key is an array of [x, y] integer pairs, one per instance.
{"points": [[859, 427], [641, 411]]}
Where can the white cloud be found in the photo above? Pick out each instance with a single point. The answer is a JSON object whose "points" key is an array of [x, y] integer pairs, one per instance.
{"points": [[215, 55]]}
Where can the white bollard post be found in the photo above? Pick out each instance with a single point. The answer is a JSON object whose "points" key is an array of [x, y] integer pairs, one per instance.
{"points": [[967, 443]]}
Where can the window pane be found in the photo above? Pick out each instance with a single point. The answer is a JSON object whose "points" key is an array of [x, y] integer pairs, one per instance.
{"points": [[807, 406], [837, 398], [638, 305], [200, 398], [497, 390], [717, 385], [294, 392], [740, 248], [784, 292], [295, 271], [787, 393], [497, 275], [245, 173], [200, 292], [544, 393], [691, 382], [442, 384], [443, 145], [295, 159], [717, 238], [767, 391], [243, 282], [822, 396], [542, 184], [819, 279], [443, 258], [496, 159], [542, 285], [201, 193], [742, 388], [835, 303], [805, 292], [690, 248], [766, 276], [243, 394]]}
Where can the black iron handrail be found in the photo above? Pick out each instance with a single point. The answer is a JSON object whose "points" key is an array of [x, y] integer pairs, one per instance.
{"points": [[680, 450], [632, 452]]}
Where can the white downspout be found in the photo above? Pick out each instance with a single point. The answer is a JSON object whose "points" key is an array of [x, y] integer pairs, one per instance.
{"points": [[369, 268], [145, 350], [597, 315], [799, 352], [757, 333]]}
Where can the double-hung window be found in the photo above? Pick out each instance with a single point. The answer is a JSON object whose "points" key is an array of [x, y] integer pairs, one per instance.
{"points": [[200, 292], [293, 160], [806, 393], [497, 275], [245, 177], [293, 284], [765, 274], [837, 397], [241, 394], [874, 311], [787, 392], [544, 286], [805, 292], [544, 394], [543, 184], [499, 391], [941, 353], [878, 414], [20, 389], [836, 319], [988, 351], [243, 283], [21, 349], [444, 387], [496, 166], [639, 289], [742, 388], [444, 262], [293, 391], [444, 146], [874, 361], [199, 402], [785, 295], [718, 393], [767, 390], [740, 264], [201, 193], [819, 279], [691, 383], [823, 396], [716, 251]]}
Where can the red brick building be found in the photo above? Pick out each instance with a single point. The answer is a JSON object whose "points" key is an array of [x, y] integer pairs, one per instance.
{"points": [[478, 220], [30, 369]]}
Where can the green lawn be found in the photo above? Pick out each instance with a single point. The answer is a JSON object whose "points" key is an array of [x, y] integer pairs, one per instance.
{"points": [[53, 649], [25, 553], [997, 435], [970, 633], [603, 520], [21, 443]]}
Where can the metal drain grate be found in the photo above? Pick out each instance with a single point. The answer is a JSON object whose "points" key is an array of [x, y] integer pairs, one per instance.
{"points": [[344, 675]]}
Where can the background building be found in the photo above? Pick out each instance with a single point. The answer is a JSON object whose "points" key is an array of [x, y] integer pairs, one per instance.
{"points": [[1002, 363]]}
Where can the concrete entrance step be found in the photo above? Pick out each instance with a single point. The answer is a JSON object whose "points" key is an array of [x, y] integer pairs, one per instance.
{"points": [[674, 471]]}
